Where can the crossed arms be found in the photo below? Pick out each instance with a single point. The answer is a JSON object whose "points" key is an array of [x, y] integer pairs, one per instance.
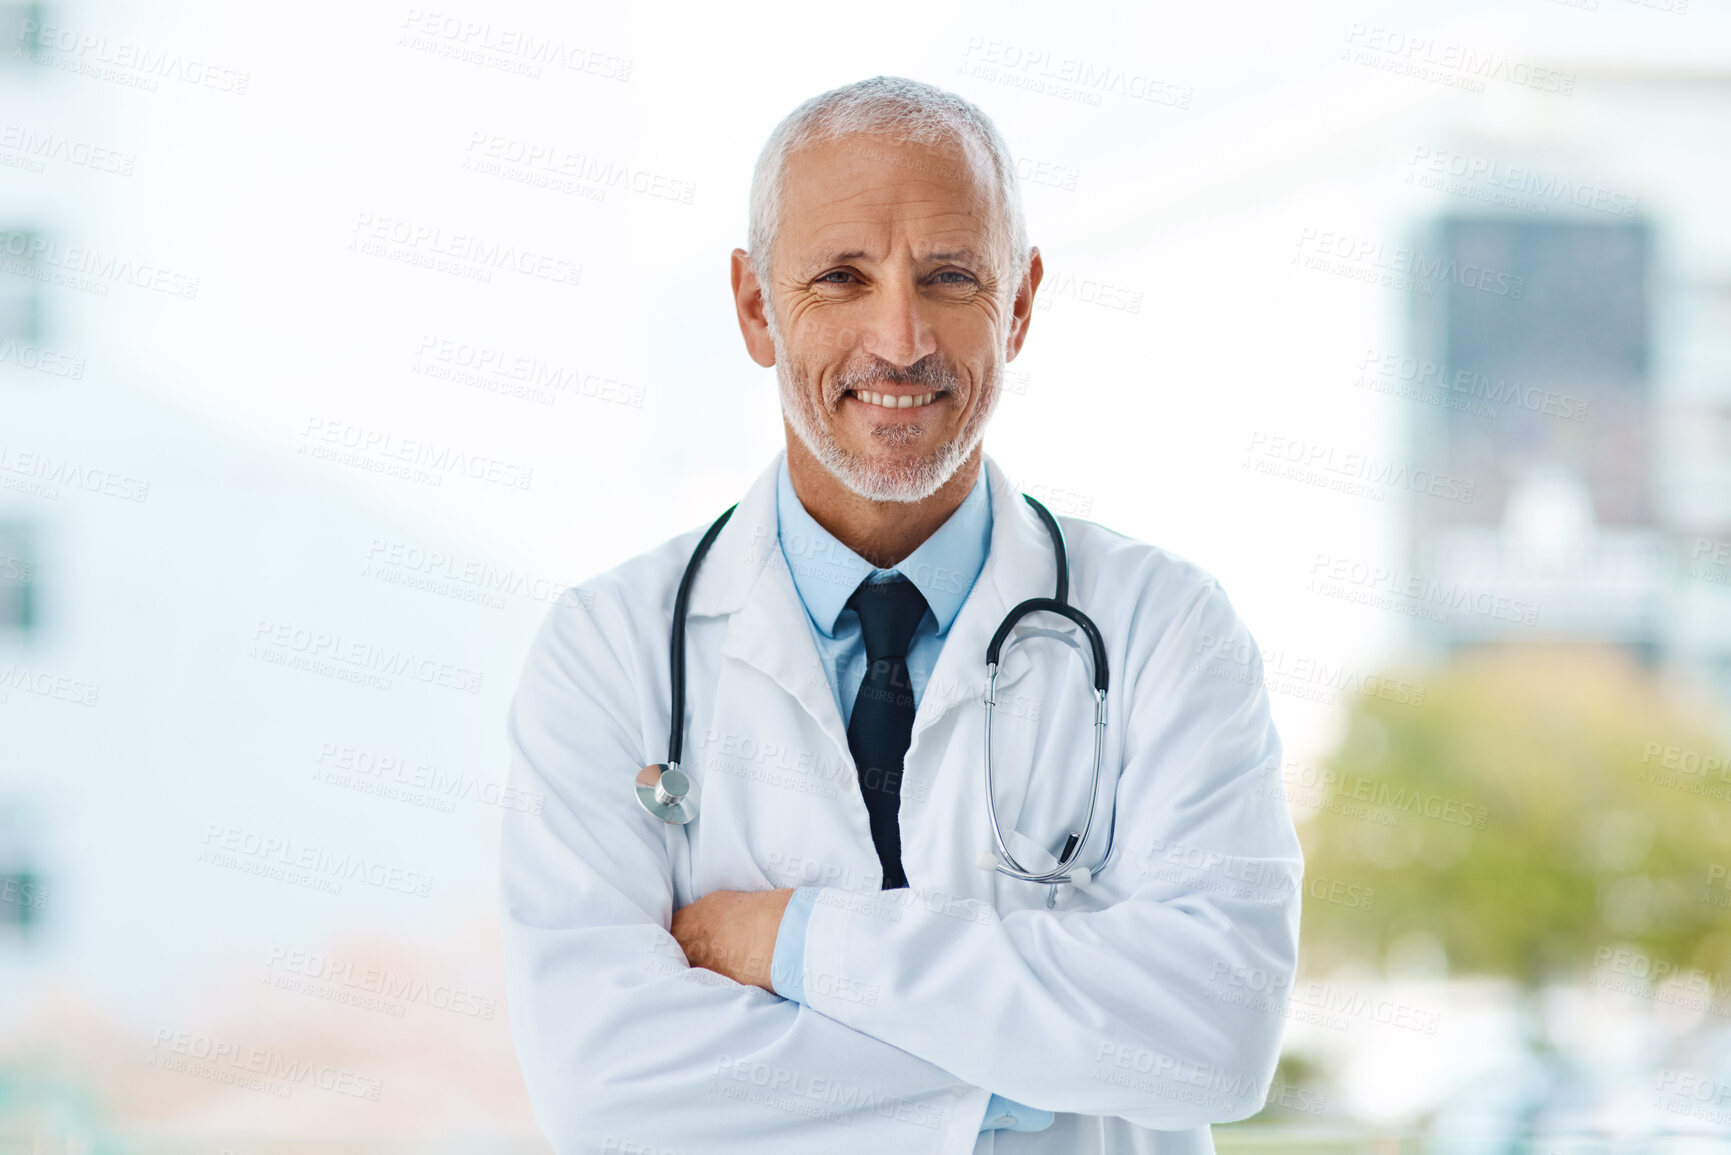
{"points": [[632, 1036]]}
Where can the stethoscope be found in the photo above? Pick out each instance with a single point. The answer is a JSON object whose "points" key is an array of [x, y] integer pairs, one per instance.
{"points": [[668, 793]]}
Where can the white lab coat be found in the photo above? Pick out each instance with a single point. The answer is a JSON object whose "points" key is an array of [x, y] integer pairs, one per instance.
{"points": [[1136, 1009]]}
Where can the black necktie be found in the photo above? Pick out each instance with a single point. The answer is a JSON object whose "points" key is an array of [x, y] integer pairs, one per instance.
{"points": [[883, 713]]}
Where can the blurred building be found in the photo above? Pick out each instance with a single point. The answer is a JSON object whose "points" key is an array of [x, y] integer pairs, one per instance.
{"points": [[1574, 367], [22, 897], [143, 549], [1539, 347]]}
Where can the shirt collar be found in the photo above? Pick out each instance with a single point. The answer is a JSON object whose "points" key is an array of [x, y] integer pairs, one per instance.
{"points": [[826, 572]]}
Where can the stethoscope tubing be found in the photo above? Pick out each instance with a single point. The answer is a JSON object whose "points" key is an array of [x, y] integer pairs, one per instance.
{"points": [[676, 648], [1004, 862]]}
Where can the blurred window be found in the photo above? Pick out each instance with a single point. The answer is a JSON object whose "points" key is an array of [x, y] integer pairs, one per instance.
{"points": [[17, 578], [20, 43], [20, 286], [23, 898]]}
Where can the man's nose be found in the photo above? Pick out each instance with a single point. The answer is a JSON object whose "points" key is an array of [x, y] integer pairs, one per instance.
{"points": [[896, 329]]}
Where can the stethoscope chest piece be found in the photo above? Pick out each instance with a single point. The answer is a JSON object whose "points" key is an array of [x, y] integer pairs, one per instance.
{"points": [[667, 793]]}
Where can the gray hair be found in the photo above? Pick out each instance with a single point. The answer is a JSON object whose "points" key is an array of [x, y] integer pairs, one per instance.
{"points": [[914, 112]]}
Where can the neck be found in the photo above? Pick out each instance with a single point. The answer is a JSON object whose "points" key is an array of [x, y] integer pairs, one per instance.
{"points": [[882, 532]]}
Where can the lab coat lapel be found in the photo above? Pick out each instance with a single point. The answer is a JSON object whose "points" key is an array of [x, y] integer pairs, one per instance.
{"points": [[767, 629], [770, 633]]}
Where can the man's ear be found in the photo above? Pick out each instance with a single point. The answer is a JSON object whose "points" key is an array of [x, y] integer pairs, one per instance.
{"points": [[748, 303], [1022, 308]]}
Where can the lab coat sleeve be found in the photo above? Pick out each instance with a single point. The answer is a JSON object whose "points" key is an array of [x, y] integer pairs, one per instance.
{"points": [[624, 1047], [1164, 1008]]}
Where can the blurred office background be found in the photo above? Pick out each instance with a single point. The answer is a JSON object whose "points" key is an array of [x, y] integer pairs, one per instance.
{"points": [[1411, 322]]}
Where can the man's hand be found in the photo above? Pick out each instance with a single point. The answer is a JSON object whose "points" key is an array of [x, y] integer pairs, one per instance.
{"points": [[732, 932]]}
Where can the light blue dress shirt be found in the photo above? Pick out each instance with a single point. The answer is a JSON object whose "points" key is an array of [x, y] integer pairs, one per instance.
{"points": [[825, 575]]}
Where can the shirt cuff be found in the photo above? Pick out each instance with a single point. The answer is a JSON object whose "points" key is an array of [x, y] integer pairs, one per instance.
{"points": [[787, 966], [1008, 1115]]}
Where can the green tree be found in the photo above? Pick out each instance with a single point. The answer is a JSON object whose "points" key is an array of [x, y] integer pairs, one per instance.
{"points": [[1539, 805]]}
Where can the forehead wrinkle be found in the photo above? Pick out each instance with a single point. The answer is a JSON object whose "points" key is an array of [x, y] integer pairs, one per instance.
{"points": [[828, 222], [960, 232], [904, 188], [835, 178], [951, 234], [911, 187], [926, 207]]}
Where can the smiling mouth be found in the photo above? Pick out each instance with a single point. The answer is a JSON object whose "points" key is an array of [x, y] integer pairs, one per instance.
{"points": [[892, 401]]}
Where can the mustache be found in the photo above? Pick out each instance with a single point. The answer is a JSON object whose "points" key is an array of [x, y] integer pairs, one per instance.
{"points": [[928, 371]]}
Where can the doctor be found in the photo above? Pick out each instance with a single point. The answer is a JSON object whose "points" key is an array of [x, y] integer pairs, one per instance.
{"points": [[818, 962]]}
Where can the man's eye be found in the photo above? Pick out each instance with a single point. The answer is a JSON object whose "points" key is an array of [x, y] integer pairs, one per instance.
{"points": [[961, 278], [825, 279]]}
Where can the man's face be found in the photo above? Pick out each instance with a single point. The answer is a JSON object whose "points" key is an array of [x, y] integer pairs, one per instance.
{"points": [[893, 321]]}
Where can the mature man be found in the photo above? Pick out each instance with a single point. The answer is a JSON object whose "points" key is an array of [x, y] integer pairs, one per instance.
{"points": [[817, 961]]}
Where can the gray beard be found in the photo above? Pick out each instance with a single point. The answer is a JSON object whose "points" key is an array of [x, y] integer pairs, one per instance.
{"points": [[907, 480]]}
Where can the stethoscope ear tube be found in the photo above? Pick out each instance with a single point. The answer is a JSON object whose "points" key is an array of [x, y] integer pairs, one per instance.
{"points": [[664, 790], [676, 648]]}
